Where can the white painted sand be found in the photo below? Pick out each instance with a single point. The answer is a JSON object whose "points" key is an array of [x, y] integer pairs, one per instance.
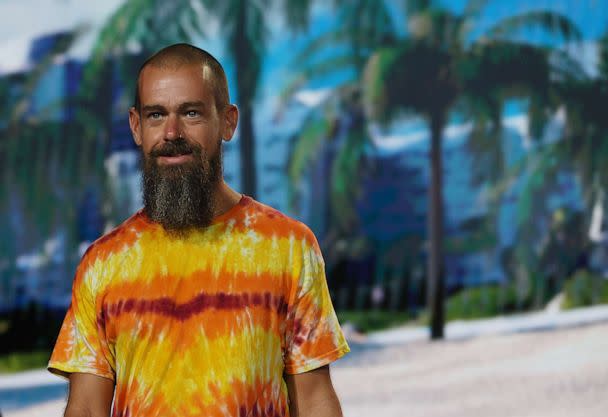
{"points": [[558, 373]]}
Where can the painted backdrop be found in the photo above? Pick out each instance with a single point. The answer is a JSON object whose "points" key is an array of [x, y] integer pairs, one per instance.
{"points": [[447, 154]]}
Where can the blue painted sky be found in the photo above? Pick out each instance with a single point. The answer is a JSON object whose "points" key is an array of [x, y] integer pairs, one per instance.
{"points": [[25, 19], [590, 15], [280, 65]]}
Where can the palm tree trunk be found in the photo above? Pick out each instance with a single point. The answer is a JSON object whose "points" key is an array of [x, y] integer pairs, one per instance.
{"points": [[247, 140], [247, 71], [435, 271]]}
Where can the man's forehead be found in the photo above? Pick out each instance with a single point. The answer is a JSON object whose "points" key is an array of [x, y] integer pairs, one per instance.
{"points": [[189, 77], [193, 70]]}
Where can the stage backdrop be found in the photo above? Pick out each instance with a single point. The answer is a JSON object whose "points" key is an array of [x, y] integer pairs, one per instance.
{"points": [[349, 108]]}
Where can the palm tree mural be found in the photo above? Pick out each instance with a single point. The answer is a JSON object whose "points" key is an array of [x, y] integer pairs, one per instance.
{"points": [[364, 25], [585, 142], [336, 133], [29, 141], [439, 68], [243, 24], [581, 150], [36, 157]]}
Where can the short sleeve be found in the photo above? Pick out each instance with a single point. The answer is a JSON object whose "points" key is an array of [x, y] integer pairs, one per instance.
{"points": [[313, 335], [81, 345]]}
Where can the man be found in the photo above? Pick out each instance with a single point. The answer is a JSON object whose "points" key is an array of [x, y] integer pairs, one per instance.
{"points": [[205, 302]]}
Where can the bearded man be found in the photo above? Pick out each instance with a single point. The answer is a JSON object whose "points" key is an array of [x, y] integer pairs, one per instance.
{"points": [[205, 302]]}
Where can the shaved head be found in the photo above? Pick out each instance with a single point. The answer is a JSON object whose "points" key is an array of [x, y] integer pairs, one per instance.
{"points": [[183, 54]]}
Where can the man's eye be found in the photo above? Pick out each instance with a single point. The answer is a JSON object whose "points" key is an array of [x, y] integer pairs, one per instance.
{"points": [[155, 115], [191, 113]]}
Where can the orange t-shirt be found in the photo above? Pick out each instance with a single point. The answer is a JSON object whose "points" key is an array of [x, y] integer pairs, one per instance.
{"points": [[201, 325]]}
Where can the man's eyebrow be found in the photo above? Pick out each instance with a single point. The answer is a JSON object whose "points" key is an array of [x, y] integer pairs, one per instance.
{"points": [[191, 104], [153, 107]]}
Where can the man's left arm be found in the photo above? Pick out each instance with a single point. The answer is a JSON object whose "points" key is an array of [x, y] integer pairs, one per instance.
{"points": [[312, 394]]}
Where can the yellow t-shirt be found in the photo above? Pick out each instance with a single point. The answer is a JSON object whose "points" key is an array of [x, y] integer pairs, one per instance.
{"points": [[202, 325]]}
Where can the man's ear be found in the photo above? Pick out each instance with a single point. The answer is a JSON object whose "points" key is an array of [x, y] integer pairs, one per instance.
{"points": [[231, 119], [135, 125]]}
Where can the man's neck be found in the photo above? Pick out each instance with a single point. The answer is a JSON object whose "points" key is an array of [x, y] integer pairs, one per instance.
{"points": [[225, 198]]}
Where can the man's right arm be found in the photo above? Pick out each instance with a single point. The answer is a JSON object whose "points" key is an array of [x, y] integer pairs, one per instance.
{"points": [[90, 396]]}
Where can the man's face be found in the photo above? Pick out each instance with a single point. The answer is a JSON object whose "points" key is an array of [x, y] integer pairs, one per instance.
{"points": [[180, 129]]}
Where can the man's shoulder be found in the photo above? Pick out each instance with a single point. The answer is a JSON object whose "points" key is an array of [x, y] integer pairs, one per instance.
{"points": [[268, 217], [117, 239]]}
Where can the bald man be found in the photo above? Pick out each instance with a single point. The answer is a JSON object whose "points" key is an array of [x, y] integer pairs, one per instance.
{"points": [[205, 302]]}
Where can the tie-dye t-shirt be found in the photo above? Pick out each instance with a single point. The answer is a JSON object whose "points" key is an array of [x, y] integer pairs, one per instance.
{"points": [[204, 324]]}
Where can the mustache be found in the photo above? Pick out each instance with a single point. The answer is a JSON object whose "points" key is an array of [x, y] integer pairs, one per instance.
{"points": [[176, 147]]}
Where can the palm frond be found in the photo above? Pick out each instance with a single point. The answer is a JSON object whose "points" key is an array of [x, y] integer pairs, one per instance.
{"points": [[470, 17], [374, 86], [325, 67], [369, 21], [297, 13], [554, 23], [345, 180], [306, 146], [63, 43], [412, 76], [364, 26], [603, 56], [504, 70], [474, 7], [192, 18], [317, 45], [485, 145], [584, 101], [564, 67], [123, 24], [138, 21], [540, 182], [413, 7], [439, 27], [509, 67], [336, 64]]}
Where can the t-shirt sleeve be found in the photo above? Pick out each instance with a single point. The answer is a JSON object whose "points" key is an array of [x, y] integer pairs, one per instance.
{"points": [[81, 345], [313, 335]]}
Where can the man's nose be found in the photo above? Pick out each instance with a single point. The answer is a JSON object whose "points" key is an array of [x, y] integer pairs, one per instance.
{"points": [[172, 128]]}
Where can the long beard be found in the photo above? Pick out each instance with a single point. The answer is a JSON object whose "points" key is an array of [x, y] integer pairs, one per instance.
{"points": [[180, 197]]}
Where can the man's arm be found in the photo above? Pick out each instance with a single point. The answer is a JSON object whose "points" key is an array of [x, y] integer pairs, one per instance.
{"points": [[312, 394], [90, 396]]}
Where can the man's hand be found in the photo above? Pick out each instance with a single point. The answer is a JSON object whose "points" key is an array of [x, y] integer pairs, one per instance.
{"points": [[90, 396], [312, 394]]}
